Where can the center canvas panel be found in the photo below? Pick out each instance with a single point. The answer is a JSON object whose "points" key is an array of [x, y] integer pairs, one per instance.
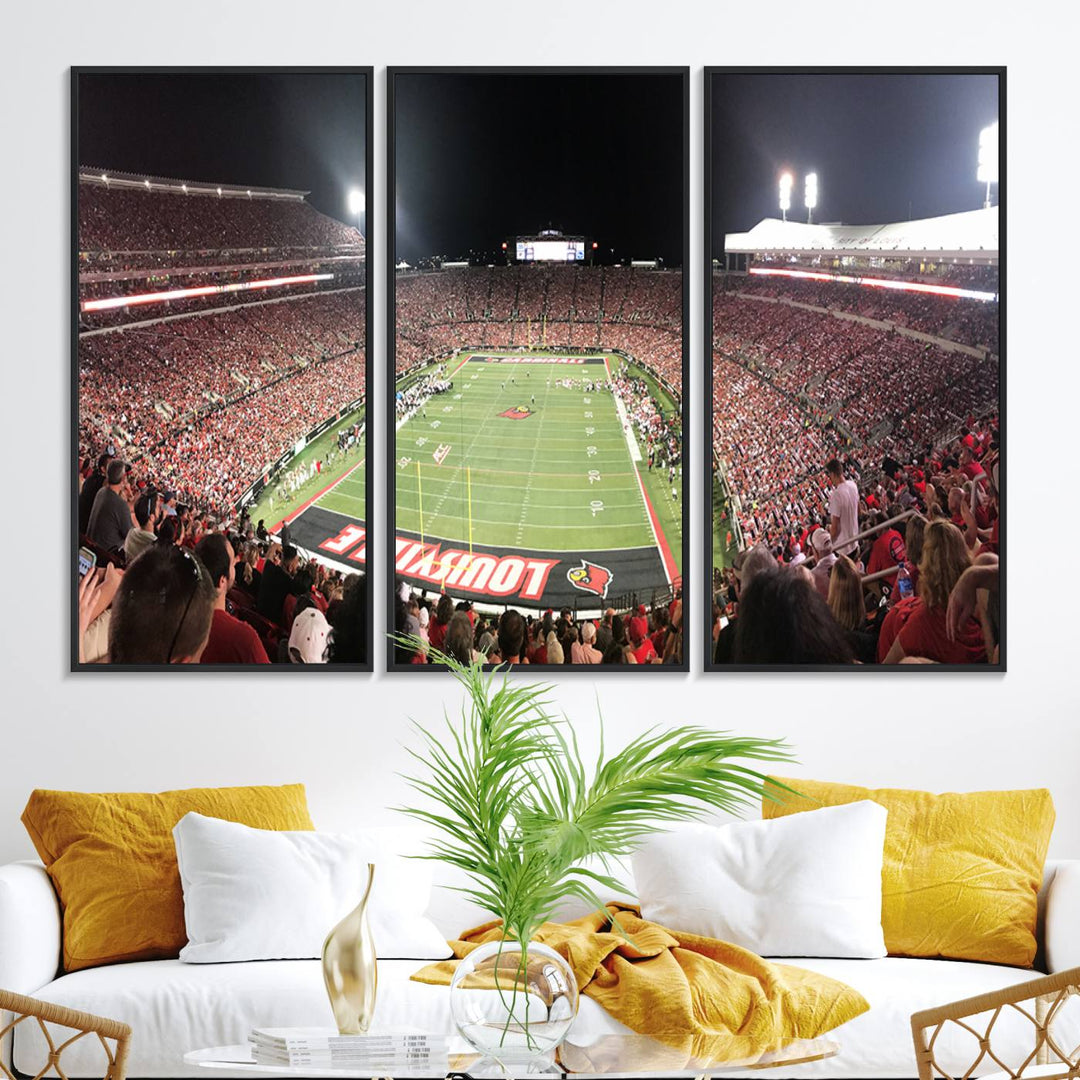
{"points": [[537, 305]]}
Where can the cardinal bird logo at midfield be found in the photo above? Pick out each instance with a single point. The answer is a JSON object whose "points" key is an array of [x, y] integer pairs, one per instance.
{"points": [[519, 412], [591, 578]]}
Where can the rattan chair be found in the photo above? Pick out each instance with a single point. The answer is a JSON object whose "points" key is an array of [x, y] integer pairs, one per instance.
{"points": [[83, 1024], [1039, 1002]]}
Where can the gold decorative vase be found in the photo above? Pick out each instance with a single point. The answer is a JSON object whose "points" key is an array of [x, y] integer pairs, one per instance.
{"points": [[349, 968]]}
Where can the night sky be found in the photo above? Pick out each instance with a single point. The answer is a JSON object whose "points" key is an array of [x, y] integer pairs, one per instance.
{"points": [[481, 157], [885, 147], [289, 130]]}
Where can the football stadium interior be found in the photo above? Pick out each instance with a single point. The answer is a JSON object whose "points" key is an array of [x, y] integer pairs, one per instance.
{"points": [[538, 458], [874, 345], [221, 355]]}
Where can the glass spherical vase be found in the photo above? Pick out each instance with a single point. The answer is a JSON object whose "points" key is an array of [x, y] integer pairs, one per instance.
{"points": [[512, 1003]]}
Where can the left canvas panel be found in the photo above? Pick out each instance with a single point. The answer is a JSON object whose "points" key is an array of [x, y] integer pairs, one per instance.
{"points": [[220, 374]]}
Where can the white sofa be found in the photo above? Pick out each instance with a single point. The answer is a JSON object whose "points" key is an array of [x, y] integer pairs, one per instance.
{"points": [[175, 1007]]}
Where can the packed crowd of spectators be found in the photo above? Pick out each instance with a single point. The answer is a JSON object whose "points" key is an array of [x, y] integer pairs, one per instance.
{"points": [[792, 387], [969, 322], [427, 625], [826, 428], [115, 222], [901, 566], [638, 312], [174, 586], [205, 403]]}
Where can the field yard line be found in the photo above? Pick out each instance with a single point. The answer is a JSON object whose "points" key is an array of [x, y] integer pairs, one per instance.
{"points": [[527, 499], [455, 478], [561, 475], [314, 498], [670, 567], [624, 421], [563, 528], [666, 557]]}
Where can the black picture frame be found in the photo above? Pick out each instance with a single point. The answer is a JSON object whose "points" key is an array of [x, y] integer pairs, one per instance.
{"points": [[545, 671], [706, 624], [367, 72]]}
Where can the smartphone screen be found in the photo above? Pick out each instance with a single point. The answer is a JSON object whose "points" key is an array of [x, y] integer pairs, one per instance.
{"points": [[87, 561]]}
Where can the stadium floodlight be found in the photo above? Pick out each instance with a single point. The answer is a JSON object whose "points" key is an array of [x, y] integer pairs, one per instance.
{"points": [[785, 193], [219, 191], [104, 178], [147, 183], [356, 202], [184, 188], [811, 195], [988, 158]]}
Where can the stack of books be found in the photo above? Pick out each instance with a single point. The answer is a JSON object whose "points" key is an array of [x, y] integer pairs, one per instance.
{"points": [[402, 1049]]}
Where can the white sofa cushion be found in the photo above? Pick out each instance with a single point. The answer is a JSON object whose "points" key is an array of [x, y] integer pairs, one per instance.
{"points": [[29, 927], [257, 894], [804, 885], [1063, 918], [175, 1007]]}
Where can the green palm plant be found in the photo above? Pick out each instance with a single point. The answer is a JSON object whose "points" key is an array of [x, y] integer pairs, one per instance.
{"points": [[518, 810]]}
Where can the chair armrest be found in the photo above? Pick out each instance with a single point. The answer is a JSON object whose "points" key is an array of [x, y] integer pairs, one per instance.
{"points": [[22, 1009], [1063, 918], [29, 928]]}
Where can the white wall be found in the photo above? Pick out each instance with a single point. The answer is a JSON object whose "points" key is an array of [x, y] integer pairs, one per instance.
{"points": [[341, 734]]}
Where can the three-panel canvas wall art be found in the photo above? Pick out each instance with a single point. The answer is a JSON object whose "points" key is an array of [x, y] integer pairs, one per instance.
{"points": [[543, 420]]}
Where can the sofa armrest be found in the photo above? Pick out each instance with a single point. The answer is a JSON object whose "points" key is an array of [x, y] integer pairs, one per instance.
{"points": [[1063, 917], [29, 928]]}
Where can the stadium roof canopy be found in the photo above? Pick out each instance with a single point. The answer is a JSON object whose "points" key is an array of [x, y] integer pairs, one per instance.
{"points": [[970, 235], [173, 185]]}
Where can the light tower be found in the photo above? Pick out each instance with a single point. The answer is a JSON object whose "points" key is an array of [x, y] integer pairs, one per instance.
{"points": [[356, 207], [785, 194], [988, 159], [811, 196]]}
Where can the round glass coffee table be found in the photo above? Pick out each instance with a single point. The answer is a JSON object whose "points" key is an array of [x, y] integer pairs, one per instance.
{"points": [[627, 1056]]}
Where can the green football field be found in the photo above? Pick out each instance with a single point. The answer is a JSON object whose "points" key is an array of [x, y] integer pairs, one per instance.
{"points": [[347, 496], [510, 459]]}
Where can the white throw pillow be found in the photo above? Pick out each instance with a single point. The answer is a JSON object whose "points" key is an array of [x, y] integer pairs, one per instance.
{"points": [[258, 894], [804, 885]]}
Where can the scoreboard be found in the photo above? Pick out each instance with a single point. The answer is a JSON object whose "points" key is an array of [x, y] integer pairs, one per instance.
{"points": [[564, 250]]}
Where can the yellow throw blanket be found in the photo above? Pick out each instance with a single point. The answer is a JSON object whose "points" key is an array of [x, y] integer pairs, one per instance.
{"points": [[704, 998]]}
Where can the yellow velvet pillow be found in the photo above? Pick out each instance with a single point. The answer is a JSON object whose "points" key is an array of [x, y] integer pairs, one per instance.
{"points": [[113, 864], [961, 872]]}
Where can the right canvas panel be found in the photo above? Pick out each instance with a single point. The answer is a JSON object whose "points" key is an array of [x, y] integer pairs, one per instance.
{"points": [[854, 335]]}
